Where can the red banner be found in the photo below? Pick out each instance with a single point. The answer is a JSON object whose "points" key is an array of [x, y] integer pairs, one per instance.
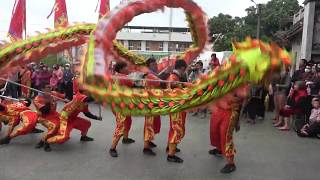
{"points": [[60, 14], [104, 7], [18, 20]]}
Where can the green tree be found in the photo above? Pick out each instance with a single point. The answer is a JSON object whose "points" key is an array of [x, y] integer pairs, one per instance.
{"points": [[274, 14]]}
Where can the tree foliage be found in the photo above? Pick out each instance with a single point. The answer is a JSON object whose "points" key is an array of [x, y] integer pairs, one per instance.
{"points": [[274, 17]]}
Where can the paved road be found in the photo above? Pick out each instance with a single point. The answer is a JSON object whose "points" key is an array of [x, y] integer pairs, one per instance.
{"points": [[263, 153]]}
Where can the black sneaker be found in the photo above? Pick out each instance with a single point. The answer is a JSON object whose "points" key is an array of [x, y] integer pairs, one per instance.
{"points": [[47, 147], [127, 141], [86, 138], [229, 168], [149, 152], [39, 145], [174, 159], [152, 145], [215, 152], [113, 153], [177, 150], [36, 131], [5, 140]]}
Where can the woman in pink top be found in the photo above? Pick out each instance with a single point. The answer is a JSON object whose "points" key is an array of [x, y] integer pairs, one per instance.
{"points": [[56, 78]]}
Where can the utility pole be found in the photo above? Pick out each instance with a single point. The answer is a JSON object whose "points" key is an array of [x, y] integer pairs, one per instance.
{"points": [[258, 6], [259, 20]]}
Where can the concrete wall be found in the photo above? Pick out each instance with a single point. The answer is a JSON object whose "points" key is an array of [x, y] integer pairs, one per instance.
{"points": [[308, 27], [296, 50]]}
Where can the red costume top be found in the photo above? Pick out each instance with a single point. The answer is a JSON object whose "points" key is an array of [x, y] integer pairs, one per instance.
{"points": [[174, 77], [151, 76], [41, 100], [74, 107], [124, 82], [14, 109]]}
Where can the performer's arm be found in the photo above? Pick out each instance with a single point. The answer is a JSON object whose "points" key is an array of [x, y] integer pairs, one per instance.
{"points": [[45, 109], [91, 116], [88, 114]]}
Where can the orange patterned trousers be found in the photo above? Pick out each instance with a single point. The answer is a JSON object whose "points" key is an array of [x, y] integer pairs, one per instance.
{"points": [[29, 122], [52, 123], [222, 125], [12, 121], [123, 125], [67, 124], [177, 127]]}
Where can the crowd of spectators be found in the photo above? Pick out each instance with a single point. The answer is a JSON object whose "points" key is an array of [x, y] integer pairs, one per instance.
{"points": [[60, 78], [294, 100]]}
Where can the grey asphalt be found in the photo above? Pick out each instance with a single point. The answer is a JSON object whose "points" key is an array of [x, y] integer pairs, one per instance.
{"points": [[263, 153]]}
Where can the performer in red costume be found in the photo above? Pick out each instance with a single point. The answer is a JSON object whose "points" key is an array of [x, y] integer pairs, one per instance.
{"points": [[48, 116], [152, 124], [12, 113], [177, 120], [123, 123], [224, 120], [69, 119]]}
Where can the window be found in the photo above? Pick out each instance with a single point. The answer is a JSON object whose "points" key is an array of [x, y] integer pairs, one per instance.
{"points": [[160, 46], [131, 45], [148, 45], [135, 45]]}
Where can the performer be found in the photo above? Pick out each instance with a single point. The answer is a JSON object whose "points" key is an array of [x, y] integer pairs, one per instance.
{"points": [[177, 120], [11, 114], [69, 119], [224, 120], [152, 124], [123, 123], [26, 80], [48, 116]]}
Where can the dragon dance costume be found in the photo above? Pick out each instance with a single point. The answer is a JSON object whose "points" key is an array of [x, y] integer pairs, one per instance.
{"points": [[69, 120], [224, 121], [152, 124], [12, 114], [48, 116], [177, 120], [123, 123]]}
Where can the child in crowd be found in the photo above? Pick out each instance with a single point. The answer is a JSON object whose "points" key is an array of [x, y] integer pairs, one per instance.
{"points": [[312, 129]]}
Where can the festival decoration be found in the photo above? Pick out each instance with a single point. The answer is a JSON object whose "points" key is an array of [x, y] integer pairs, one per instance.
{"points": [[18, 20]]}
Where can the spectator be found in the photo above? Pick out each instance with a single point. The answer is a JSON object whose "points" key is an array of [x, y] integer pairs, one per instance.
{"points": [[12, 89], [44, 75], [280, 87], [314, 84], [295, 105], [35, 80], [196, 72], [307, 75], [26, 80], [312, 129], [214, 61], [255, 106], [56, 79], [68, 82], [297, 75]]}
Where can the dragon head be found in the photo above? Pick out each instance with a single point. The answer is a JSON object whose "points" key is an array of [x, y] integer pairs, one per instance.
{"points": [[261, 59]]}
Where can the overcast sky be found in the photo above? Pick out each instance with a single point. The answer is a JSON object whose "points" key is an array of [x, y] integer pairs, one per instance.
{"points": [[84, 11]]}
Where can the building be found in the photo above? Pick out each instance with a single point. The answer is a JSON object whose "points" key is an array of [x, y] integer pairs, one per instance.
{"points": [[155, 41], [304, 34]]}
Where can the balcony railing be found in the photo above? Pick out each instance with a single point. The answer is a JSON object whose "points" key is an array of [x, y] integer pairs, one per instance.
{"points": [[298, 16]]}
